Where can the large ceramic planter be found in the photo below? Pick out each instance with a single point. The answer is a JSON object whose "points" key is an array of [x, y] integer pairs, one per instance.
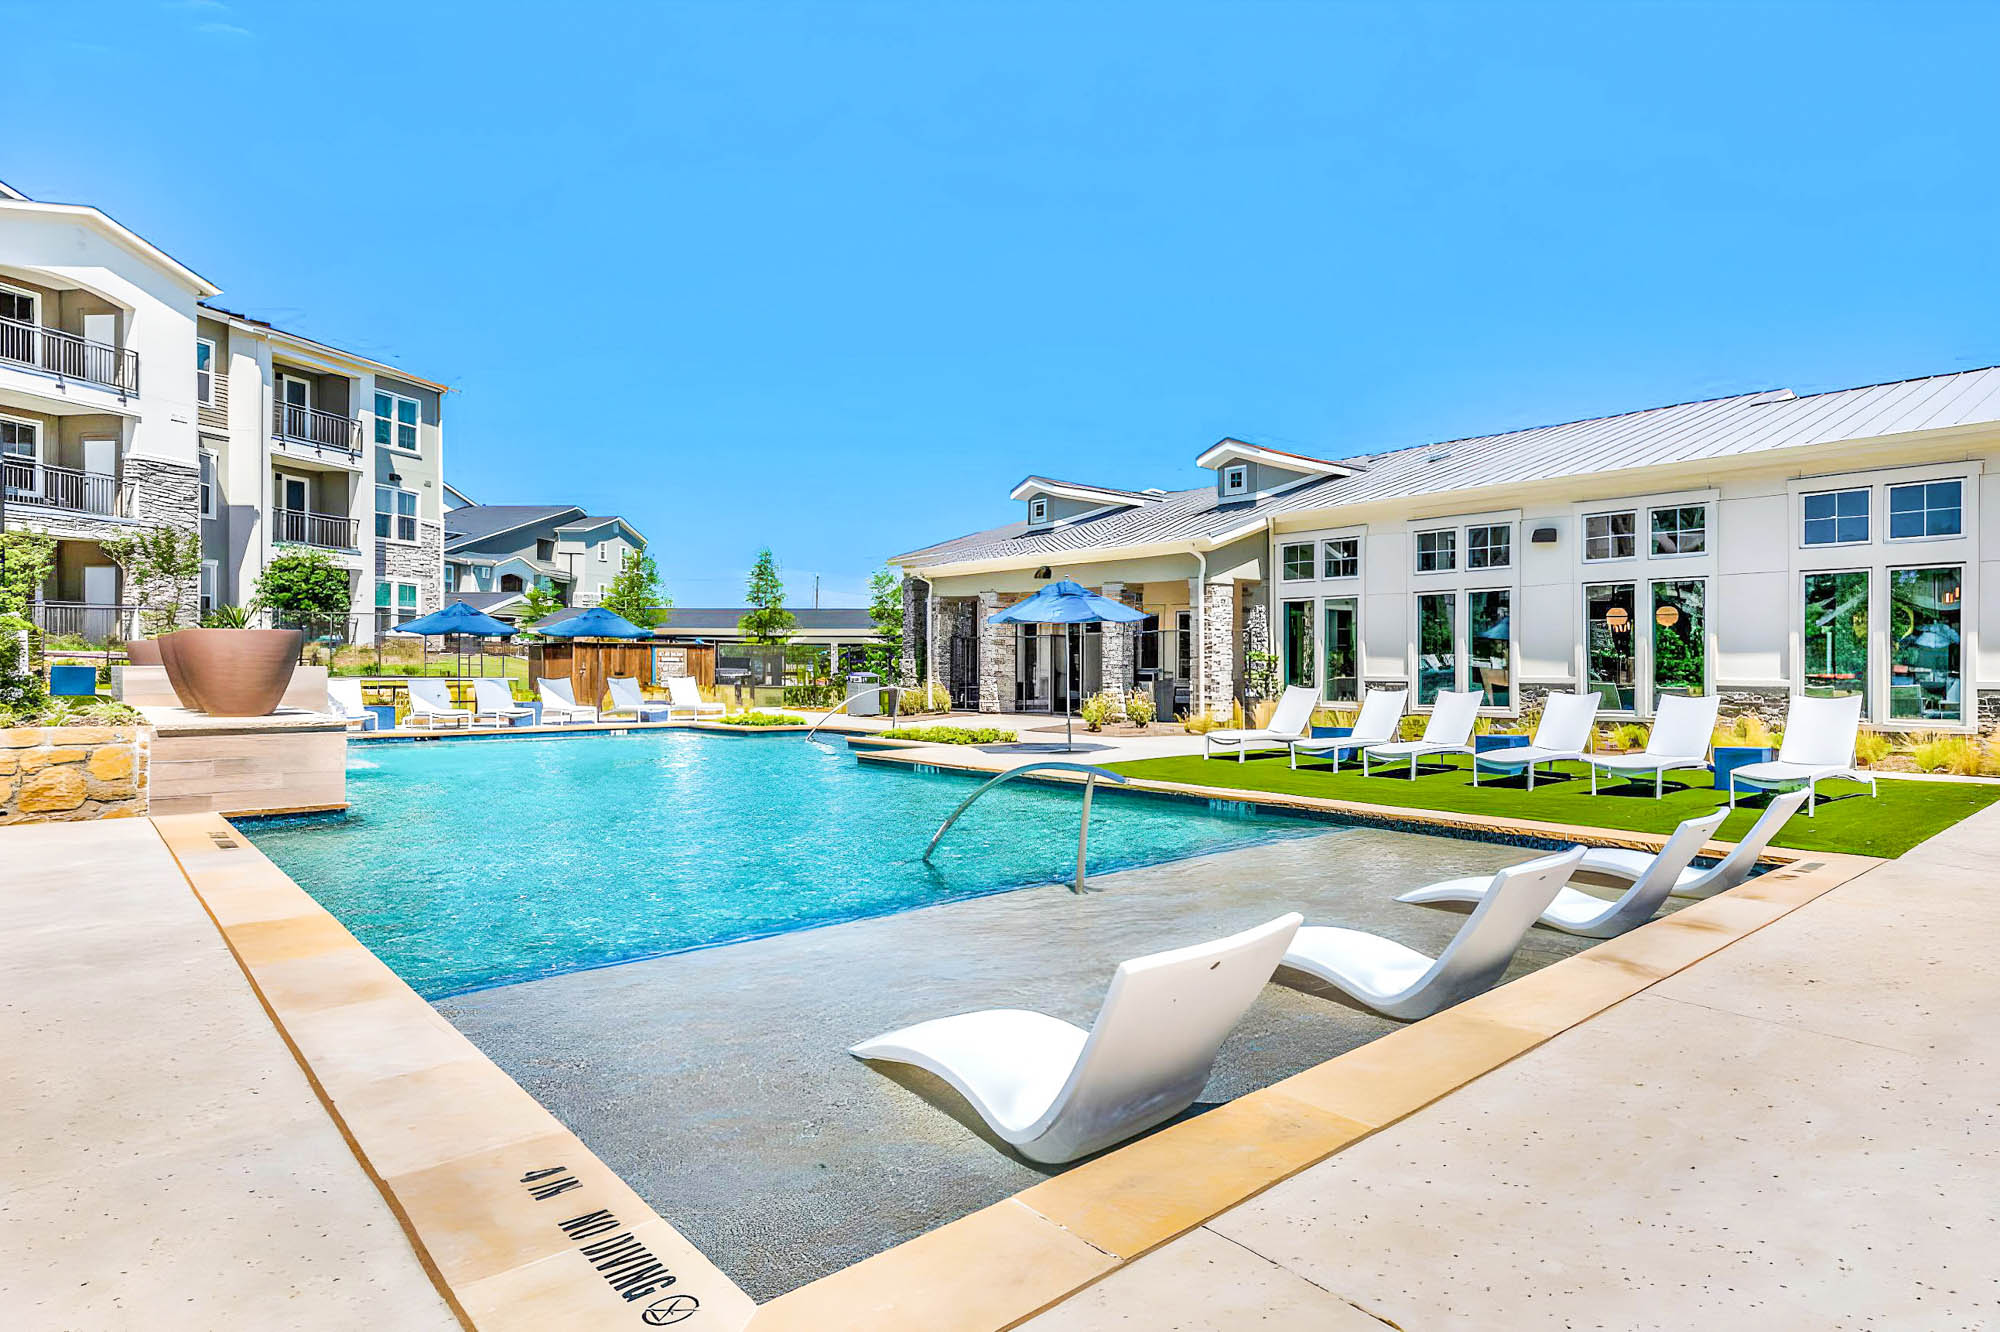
{"points": [[143, 652], [231, 672]]}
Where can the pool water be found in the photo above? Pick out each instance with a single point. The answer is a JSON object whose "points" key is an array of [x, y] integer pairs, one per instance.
{"points": [[467, 864]]}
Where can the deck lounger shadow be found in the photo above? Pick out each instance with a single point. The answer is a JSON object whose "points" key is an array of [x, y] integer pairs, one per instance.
{"points": [[1381, 713], [1577, 912], [1404, 983], [430, 703], [1057, 1092], [492, 698], [1449, 731], [559, 700], [1619, 863], [1679, 739], [625, 697], [1818, 744], [1291, 721], [1561, 736], [685, 696], [344, 700]]}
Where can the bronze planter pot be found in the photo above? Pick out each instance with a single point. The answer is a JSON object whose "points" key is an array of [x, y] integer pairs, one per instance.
{"points": [[231, 672], [143, 652]]}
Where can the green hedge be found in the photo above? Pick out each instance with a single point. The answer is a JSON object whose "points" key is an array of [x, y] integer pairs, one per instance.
{"points": [[952, 735]]}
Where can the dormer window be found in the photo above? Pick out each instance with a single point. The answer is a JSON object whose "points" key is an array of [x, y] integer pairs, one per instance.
{"points": [[1235, 480], [1038, 511]]}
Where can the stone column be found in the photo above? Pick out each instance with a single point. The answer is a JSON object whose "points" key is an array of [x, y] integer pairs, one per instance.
{"points": [[1256, 628], [1217, 656], [996, 656], [1116, 658], [916, 596]]}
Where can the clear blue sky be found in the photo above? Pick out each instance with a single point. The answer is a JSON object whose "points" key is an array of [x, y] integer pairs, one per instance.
{"points": [[833, 277]]}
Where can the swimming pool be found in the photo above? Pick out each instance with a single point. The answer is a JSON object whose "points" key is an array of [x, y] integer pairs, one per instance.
{"points": [[470, 863]]}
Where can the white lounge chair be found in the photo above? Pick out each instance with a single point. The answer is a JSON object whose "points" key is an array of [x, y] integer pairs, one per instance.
{"points": [[1561, 736], [1578, 912], [1679, 739], [627, 697], [1818, 744], [1404, 983], [492, 698], [1058, 1092], [1381, 713], [1449, 731], [559, 701], [1291, 720], [686, 697], [343, 698], [430, 704], [1734, 868]]}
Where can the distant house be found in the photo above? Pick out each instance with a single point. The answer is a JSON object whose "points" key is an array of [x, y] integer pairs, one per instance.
{"points": [[494, 553]]}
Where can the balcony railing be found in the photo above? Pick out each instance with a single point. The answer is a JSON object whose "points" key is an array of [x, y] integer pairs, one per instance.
{"points": [[68, 355], [90, 623], [307, 425], [42, 486], [316, 529]]}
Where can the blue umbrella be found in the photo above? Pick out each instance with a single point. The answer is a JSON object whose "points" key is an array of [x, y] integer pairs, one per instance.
{"points": [[1064, 602], [596, 622], [456, 619]]}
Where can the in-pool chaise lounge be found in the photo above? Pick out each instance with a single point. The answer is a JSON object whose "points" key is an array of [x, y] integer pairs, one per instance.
{"points": [[1679, 739], [1818, 744], [1290, 721], [1058, 1092], [1577, 912], [1732, 869], [344, 700], [1561, 736], [1381, 713], [686, 697], [430, 703], [1449, 731], [559, 701], [1404, 983], [492, 698]]}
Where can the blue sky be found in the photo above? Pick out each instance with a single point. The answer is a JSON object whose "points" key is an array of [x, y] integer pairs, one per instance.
{"points": [[832, 277]]}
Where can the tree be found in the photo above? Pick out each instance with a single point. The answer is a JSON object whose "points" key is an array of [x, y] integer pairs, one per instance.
{"points": [[767, 620], [635, 593], [538, 603], [885, 608], [305, 587], [162, 566], [25, 561]]}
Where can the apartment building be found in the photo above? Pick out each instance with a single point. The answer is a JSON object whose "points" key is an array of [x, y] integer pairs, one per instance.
{"points": [[128, 399], [494, 553], [1758, 547]]}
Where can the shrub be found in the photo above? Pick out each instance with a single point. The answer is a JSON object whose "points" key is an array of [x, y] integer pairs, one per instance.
{"points": [[763, 719], [1946, 753], [72, 712], [304, 586], [1097, 710], [952, 735], [1629, 736], [1139, 709], [930, 697], [1334, 717], [1198, 723], [1870, 748], [1746, 729]]}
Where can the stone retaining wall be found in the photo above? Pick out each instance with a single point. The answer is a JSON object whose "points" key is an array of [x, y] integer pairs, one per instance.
{"points": [[66, 773]]}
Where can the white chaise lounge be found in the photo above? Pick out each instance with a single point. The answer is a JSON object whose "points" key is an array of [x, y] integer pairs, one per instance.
{"points": [[1381, 713], [1578, 912], [559, 702], [685, 696], [431, 705], [1404, 983], [1818, 744], [1732, 869], [343, 699], [1449, 731], [492, 698], [1058, 1092], [626, 698], [1561, 736], [1290, 722], [1679, 739]]}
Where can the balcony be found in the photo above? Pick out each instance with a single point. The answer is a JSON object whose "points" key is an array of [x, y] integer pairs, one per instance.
{"points": [[68, 355], [38, 485], [325, 530], [314, 428], [86, 623]]}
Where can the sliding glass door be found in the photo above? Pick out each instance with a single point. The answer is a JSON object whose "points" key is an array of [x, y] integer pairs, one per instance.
{"points": [[1492, 657], [1340, 649], [1835, 641]]}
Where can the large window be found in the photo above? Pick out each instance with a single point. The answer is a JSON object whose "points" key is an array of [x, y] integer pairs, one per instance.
{"points": [[1492, 660], [1437, 552], [1489, 547], [1437, 655], [396, 421], [1836, 635], [1298, 562], [1928, 509], [20, 451], [1680, 637], [1925, 668], [207, 484], [396, 514], [18, 306], [1340, 558], [395, 603], [1610, 536], [204, 372], [1682, 530], [1836, 517], [1298, 642], [1611, 659], [1339, 646]]}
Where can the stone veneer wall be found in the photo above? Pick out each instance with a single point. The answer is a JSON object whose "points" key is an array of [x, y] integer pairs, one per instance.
{"points": [[167, 494], [916, 596], [69, 773], [1218, 648], [996, 657], [421, 564], [1118, 656]]}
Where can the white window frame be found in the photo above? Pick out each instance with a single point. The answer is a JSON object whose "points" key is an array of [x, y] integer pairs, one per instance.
{"points": [[417, 427], [1311, 548], [396, 515], [1583, 543], [205, 595], [34, 490], [604, 552], [1506, 563], [34, 302], [1653, 554], [1327, 575], [1417, 551], [1038, 510], [205, 489], [204, 380], [450, 576], [1889, 489], [1865, 489], [1235, 480]]}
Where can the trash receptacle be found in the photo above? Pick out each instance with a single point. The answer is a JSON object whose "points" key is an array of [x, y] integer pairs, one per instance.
{"points": [[865, 700], [1163, 698]]}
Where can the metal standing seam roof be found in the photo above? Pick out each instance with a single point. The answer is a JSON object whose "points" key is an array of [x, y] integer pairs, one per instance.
{"points": [[1743, 424]]}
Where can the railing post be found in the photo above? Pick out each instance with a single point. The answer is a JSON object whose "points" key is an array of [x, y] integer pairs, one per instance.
{"points": [[1083, 831]]}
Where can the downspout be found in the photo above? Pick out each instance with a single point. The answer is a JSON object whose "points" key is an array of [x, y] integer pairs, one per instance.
{"points": [[1200, 630]]}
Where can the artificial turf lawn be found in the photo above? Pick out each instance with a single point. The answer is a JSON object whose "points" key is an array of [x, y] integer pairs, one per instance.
{"points": [[1904, 814]]}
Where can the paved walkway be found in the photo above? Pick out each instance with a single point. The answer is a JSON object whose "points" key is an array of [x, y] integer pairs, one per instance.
{"points": [[1797, 1132], [166, 1164]]}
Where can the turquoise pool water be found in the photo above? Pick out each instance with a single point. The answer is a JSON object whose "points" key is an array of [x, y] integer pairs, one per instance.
{"points": [[466, 864]]}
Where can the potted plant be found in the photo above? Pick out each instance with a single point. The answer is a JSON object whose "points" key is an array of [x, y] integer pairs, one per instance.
{"points": [[228, 669]]}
